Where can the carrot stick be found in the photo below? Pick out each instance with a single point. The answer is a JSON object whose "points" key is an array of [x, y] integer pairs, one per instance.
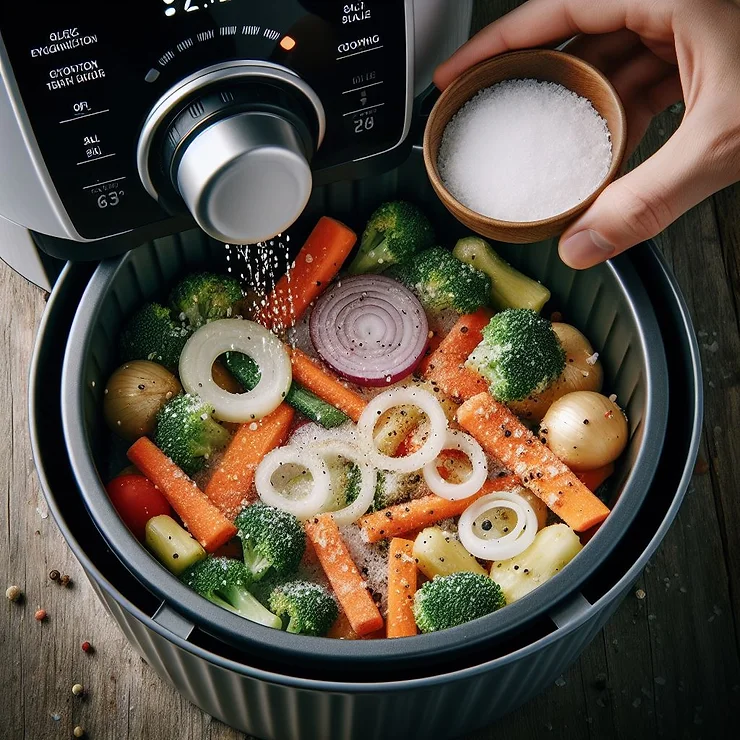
{"points": [[592, 479], [401, 589], [342, 630], [325, 385], [231, 483], [205, 522], [343, 575], [502, 435], [319, 260], [422, 512], [446, 365]]}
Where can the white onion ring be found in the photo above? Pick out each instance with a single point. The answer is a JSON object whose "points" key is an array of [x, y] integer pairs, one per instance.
{"points": [[337, 448], [498, 548], [409, 396], [456, 440], [302, 508], [236, 335], [370, 329]]}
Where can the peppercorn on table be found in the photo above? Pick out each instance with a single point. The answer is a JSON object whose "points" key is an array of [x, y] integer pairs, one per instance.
{"points": [[67, 670]]}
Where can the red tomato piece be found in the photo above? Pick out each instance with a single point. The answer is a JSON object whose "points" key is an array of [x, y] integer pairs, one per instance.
{"points": [[137, 500]]}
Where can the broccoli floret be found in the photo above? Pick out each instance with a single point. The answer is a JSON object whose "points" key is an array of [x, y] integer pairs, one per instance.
{"points": [[509, 287], [447, 601], [226, 582], [271, 539], [395, 232], [442, 282], [204, 297], [152, 334], [187, 433], [520, 354], [309, 608]]}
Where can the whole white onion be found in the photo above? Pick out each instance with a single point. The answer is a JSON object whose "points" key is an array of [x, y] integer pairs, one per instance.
{"points": [[585, 430]]}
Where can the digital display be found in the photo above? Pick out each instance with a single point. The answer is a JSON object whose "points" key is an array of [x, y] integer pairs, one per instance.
{"points": [[188, 6]]}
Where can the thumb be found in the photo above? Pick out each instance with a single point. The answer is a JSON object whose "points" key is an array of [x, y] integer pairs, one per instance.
{"points": [[642, 203]]}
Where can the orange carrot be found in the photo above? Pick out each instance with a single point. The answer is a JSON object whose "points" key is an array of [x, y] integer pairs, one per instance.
{"points": [[342, 630], [502, 435], [325, 385], [422, 512], [401, 589], [231, 483], [324, 252], [204, 521], [592, 479], [446, 365], [345, 579]]}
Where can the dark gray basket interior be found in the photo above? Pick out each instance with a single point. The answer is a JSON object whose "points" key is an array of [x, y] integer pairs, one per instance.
{"points": [[608, 303]]}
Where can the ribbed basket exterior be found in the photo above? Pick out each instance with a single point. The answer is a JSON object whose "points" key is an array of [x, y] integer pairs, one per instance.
{"points": [[272, 711]]}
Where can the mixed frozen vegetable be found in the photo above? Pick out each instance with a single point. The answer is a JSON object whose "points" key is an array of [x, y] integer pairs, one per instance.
{"points": [[392, 444]]}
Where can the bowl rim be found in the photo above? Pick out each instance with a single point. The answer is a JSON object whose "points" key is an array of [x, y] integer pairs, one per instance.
{"points": [[107, 590], [425, 648], [431, 163]]}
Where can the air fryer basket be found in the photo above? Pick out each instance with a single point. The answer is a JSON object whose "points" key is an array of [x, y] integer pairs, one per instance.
{"points": [[272, 706], [609, 303]]}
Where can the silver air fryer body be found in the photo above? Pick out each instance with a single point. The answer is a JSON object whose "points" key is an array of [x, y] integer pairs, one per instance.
{"points": [[124, 123]]}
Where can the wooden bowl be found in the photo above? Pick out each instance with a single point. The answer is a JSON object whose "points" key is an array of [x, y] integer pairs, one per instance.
{"points": [[540, 64]]}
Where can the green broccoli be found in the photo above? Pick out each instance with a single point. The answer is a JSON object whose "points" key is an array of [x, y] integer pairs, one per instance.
{"points": [[447, 601], [187, 433], [309, 608], [395, 232], [509, 287], [151, 334], [272, 539], [520, 354], [204, 297], [442, 282], [226, 583]]}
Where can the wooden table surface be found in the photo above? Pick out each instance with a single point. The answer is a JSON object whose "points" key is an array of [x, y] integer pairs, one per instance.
{"points": [[667, 664]]}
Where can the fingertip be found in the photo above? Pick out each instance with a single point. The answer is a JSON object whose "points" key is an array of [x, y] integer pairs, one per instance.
{"points": [[443, 75], [581, 249]]}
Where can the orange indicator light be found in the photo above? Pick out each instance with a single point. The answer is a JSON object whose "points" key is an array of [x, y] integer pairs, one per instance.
{"points": [[287, 43]]}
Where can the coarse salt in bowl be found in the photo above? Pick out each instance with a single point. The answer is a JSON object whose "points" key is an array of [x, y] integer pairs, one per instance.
{"points": [[521, 144]]}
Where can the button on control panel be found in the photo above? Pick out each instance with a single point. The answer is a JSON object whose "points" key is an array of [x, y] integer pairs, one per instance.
{"points": [[89, 73]]}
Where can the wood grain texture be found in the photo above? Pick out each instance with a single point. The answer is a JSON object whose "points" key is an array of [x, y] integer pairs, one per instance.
{"points": [[666, 665]]}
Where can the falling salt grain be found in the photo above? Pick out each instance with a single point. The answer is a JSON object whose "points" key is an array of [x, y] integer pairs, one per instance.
{"points": [[525, 150]]}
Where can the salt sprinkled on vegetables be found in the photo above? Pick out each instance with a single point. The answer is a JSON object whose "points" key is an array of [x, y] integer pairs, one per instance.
{"points": [[524, 150]]}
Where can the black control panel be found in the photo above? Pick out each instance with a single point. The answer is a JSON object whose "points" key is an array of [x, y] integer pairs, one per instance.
{"points": [[89, 72]]}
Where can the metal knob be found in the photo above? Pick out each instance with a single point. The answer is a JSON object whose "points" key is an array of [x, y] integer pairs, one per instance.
{"points": [[245, 178]]}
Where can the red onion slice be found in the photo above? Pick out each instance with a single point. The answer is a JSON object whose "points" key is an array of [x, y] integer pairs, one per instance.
{"points": [[370, 329]]}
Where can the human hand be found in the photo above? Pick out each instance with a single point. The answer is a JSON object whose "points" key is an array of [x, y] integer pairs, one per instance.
{"points": [[655, 53]]}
